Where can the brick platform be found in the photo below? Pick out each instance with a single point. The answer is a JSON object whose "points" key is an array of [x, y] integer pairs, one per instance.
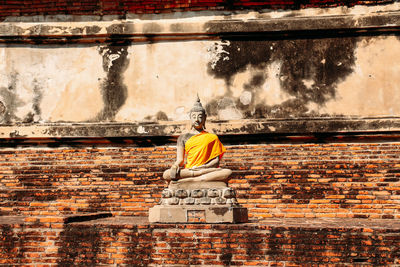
{"points": [[348, 180], [131, 241], [332, 204]]}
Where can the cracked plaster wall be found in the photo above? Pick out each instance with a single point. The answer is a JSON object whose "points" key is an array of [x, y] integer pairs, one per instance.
{"points": [[237, 78]]}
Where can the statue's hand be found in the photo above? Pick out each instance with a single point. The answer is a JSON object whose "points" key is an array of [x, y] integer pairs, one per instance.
{"points": [[198, 167], [174, 172]]}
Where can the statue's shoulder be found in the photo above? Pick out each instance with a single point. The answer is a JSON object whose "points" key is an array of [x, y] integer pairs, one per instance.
{"points": [[183, 138], [212, 135]]}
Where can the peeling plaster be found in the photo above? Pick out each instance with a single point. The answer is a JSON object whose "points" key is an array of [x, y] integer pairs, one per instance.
{"points": [[217, 53], [141, 130]]}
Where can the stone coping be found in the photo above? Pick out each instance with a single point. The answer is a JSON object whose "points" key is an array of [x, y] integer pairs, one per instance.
{"points": [[311, 223], [201, 25], [231, 127], [304, 223]]}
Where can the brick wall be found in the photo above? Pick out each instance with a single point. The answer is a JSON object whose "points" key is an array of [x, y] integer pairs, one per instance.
{"points": [[309, 203], [348, 180], [109, 7], [129, 242]]}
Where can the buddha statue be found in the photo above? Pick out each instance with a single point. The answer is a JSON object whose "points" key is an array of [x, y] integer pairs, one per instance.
{"points": [[198, 191], [203, 151]]}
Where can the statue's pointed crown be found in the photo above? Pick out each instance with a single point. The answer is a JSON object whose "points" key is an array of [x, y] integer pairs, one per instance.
{"points": [[198, 106]]}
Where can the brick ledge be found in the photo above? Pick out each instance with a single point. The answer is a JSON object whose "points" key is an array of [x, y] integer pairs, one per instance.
{"points": [[305, 223]]}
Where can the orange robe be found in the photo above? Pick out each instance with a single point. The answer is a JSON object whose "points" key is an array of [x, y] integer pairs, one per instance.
{"points": [[201, 148]]}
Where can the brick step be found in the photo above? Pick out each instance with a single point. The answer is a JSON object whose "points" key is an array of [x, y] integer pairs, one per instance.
{"points": [[347, 180], [264, 200], [132, 241]]}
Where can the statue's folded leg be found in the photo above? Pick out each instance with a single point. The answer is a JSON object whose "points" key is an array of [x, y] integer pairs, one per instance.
{"points": [[197, 175], [210, 174], [188, 173], [202, 178]]}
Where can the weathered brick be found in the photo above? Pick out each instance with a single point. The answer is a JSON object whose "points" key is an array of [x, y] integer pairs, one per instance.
{"points": [[105, 7]]}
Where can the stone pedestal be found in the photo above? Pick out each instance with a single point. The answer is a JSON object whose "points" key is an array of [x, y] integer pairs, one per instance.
{"points": [[205, 205]]}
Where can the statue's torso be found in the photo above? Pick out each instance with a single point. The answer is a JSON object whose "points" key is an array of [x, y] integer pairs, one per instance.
{"points": [[200, 148]]}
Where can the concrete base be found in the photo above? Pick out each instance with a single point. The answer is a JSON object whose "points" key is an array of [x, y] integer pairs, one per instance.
{"points": [[198, 214], [190, 185]]}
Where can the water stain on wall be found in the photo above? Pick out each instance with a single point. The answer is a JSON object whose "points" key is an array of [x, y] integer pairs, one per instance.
{"points": [[10, 100], [114, 91], [37, 97], [308, 70], [34, 115]]}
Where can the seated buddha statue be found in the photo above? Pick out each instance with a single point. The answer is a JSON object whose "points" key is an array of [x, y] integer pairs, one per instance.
{"points": [[203, 153]]}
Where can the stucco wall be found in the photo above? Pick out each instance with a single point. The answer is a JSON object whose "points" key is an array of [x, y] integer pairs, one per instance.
{"points": [[236, 79], [290, 65]]}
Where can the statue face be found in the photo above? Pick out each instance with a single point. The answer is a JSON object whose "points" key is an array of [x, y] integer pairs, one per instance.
{"points": [[198, 119]]}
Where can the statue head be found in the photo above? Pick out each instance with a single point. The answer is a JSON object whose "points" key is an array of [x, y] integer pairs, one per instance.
{"points": [[198, 115]]}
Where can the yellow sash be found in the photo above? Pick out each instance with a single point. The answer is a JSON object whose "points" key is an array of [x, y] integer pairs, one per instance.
{"points": [[202, 148]]}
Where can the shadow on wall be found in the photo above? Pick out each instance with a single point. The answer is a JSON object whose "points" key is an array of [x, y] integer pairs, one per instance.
{"points": [[79, 246], [305, 246], [12, 247], [308, 71], [139, 251]]}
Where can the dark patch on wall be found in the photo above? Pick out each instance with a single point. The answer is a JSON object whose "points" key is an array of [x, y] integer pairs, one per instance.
{"points": [[161, 116], [177, 27], [42, 195], [152, 28], [226, 258], [322, 61], [220, 211], [12, 244], [96, 203], [120, 28], [240, 53], [37, 177], [140, 253], [3, 110], [227, 252], [8, 241], [254, 244], [113, 89], [10, 100], [220, 103], [86, 245], [76, 31], [256, 81], [92, 29], [212, 107], [37, 99]]}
